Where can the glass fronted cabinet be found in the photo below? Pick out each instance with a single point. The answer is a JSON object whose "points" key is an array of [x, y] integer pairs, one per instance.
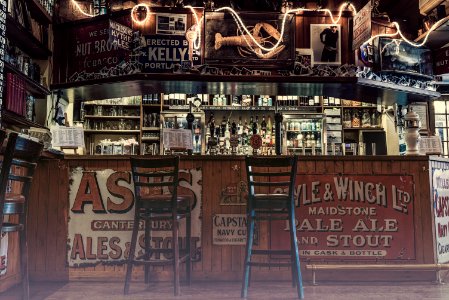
{"points": [[303, 134], [177, 119]]}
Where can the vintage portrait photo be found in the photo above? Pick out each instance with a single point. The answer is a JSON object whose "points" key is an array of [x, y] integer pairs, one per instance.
{"points": [[173, 24], [226, 42], [325, 41]]}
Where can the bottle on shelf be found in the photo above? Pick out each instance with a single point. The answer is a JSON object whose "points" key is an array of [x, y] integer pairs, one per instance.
{"points": [[347, 119], [356, 119], [366, 119], [263, 126]]}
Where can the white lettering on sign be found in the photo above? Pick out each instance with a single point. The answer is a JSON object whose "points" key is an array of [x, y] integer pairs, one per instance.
{"points": [[101, 213]]}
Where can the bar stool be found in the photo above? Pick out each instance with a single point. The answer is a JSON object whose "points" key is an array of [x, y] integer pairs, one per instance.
{"points": [[18, 166], [267, 173], [159, 175]]}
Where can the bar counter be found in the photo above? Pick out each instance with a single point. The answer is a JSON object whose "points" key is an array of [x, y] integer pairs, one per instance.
{"points": [[352, 210]]}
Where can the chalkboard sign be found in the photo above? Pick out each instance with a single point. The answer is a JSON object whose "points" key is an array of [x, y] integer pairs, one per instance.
{"points": [[3, 12], [92, 55]]}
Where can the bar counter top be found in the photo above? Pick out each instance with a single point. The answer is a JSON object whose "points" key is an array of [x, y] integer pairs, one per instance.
{"points": [[242, 157]]}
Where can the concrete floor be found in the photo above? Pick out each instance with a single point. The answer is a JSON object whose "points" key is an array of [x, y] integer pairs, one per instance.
{"points": [[205, 291]]}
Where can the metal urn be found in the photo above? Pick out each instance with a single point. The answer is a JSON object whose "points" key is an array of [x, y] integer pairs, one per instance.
{"points": [[412, 132]]}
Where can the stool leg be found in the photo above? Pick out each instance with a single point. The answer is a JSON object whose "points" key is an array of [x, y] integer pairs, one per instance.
{"points": [[188, 248], [147, 246], [292, 253], [132, 250], [297, 266], [249, 248], [175, 253], [24, 258]]}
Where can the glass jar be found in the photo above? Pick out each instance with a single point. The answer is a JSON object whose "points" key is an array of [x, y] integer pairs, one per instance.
{"points": [[347, 119], [355, 119]]}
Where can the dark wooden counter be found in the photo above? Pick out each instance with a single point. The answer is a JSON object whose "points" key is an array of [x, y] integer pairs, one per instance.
{"points": [[49, 216]]}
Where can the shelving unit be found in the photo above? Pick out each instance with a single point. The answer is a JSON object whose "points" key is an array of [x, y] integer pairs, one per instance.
{"points": [[22, 89], [111, 117], [111, 131], [32, 86]]}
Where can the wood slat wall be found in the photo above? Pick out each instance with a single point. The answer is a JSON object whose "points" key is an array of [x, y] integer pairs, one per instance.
{"points": [[49, 215]]}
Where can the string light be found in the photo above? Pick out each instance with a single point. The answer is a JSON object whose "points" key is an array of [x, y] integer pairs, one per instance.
{"points": [[147, 16], [197, 41], [81, 10], [398, 31], [241, 25]]}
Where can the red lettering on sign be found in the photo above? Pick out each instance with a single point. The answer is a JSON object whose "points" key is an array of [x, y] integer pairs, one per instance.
{"points": [[120, 192], [88, 193]]}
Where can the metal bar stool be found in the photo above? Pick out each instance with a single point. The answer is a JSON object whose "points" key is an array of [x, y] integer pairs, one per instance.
{"points": [[18, 166], [156, 198], [268, 173]]}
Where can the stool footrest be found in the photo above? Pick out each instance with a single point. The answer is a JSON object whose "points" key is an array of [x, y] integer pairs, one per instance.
{"points": [[268, 252], [270, 264], [157, 262], [11, 227]]}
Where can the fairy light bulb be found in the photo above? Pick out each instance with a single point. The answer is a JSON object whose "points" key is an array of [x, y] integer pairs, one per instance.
{"points": [[134, 12], [197, 42]]}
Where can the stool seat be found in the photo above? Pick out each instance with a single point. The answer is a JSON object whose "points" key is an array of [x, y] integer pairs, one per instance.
{"points": [[270, 201], [164, 201]]}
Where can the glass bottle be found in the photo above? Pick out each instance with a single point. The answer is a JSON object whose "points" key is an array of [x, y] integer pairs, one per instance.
{"points": [[366, 119], [356, 119], [374, 119], [263, 125], [347, 119]]}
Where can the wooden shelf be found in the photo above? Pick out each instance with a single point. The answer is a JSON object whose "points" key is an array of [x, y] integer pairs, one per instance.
{"points": [[105, 104], [305, 130], [112, 117], [111, 131], [152, 105], [25, 40], [38, 12], [150, 139], [32, 86], [365, 128], [437, 38], [12, 118], [150, 128]]}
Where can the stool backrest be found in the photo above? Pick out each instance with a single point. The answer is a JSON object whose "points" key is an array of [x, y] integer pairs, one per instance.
{"points": [[271, 172], [19, 163], [155, 176]]}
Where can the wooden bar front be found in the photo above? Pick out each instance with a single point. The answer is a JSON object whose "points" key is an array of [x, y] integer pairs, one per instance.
{"points": [[49, 213]]}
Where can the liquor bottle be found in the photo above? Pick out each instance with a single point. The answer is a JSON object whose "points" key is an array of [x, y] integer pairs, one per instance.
{"points": [[347, 119], [256, 126], [240, 126], [316, 100], [337, 102], [325, 101], [263, 126], [259, 101], [246, 128], [250, 125], [311, 101], [223, 126]]}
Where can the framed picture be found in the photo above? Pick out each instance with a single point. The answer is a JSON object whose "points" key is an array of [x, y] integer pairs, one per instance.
{"points": [[303, 61], [172, 24], [227, 44], [325, 41], [401, 57], [422, 110]]}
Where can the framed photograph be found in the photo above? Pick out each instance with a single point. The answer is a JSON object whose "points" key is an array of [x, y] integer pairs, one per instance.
{"points": [[401, 57], [303, 61], [325, 41], [227, 44], [171, 24]]}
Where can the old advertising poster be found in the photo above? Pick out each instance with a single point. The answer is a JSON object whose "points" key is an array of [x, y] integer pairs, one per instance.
{"points": [[101, 214], [442, 60], [99, 50], [167, 53], [362, 26], [3, 253], [440, 198], [352, 217], [229, 229]]}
